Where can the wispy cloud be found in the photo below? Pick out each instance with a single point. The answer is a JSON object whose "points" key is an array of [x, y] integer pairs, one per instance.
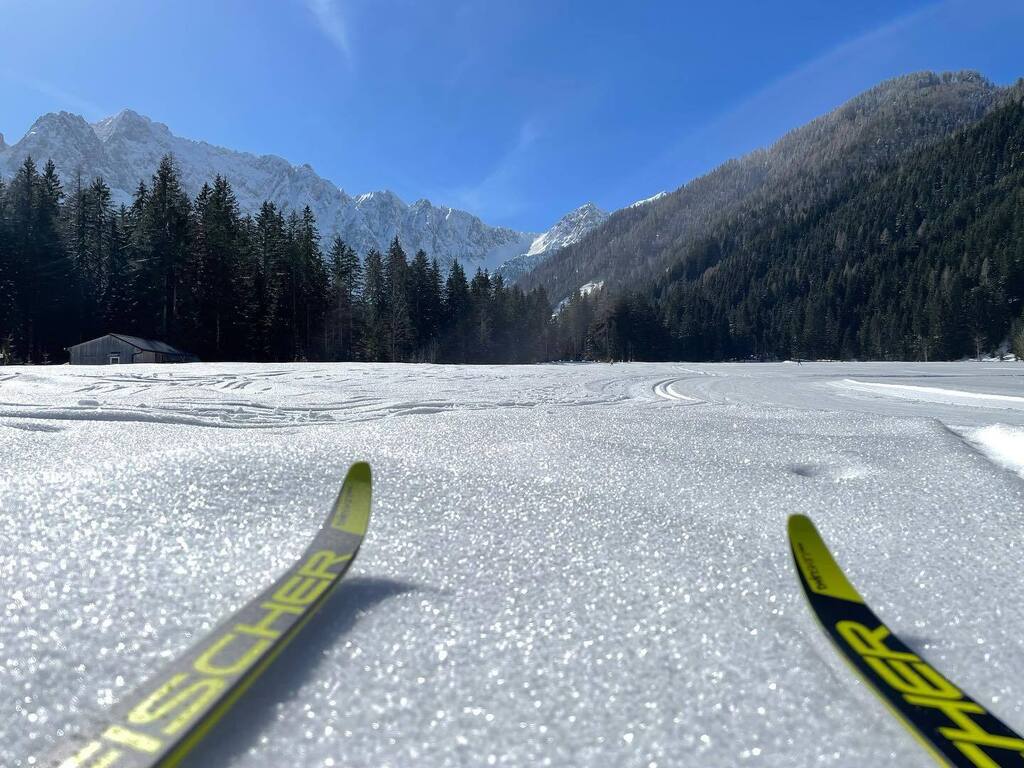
{"points": [[836, 72], [331, 21], [874, 43], [498, 194], [61, 98]]}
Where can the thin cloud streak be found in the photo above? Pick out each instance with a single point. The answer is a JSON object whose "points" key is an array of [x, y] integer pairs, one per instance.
{"points": [[747, 112], [498, 194], [831, 59], [62, 98], [332, 24]]}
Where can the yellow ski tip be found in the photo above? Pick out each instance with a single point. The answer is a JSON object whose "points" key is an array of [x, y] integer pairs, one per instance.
{"points": [[352, 509], [819, 569], [359, 472]]}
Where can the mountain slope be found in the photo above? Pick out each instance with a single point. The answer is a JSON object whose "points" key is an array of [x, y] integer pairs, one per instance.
{"points": [[922, 261], [125, 150], [879, 126], [921, 258]]}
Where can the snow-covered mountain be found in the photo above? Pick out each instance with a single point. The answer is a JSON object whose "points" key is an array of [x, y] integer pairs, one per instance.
{"points": [[126, 149], [568, 230]]}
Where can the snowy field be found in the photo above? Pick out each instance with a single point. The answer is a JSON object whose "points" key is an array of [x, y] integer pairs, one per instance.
{"points": [[567, 564]]}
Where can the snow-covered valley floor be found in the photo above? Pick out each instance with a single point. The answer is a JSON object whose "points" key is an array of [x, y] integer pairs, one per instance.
{"points": [[567, 564]]}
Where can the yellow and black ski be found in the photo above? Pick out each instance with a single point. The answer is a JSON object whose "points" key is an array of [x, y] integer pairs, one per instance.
{"points": [[952, 726], [167, 717]]}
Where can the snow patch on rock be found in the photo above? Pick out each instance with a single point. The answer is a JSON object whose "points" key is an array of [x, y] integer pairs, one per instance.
{"points": [[584, 290]]}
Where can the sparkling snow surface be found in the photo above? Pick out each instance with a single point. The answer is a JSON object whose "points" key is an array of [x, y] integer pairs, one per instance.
{"points": [[567, 564]]}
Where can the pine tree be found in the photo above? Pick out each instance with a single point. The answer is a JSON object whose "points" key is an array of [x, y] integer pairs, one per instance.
{"points": [[374, 308], [456, 315], [221, 287], [21, 206], [424, 306], [345, 282], [116, 299], [101, 237], [481, 316], [8, 283], [51, 298], [271, 256], [163, 252], [398, 321], [314, 287]]}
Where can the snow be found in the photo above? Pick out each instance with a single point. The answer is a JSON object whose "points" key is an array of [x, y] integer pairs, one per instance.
{"points": [[567, 564], [666, 390], [1003, 444], [647, 200], [936, 394], [584, 290]]}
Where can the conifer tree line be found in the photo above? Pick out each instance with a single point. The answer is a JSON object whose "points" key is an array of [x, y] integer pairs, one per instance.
{"points": [[921, 259], [199, 274]]}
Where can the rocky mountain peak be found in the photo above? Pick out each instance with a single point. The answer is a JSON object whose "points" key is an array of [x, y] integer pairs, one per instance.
{"points": [[60, 125], [126, 123], [569, 229]]}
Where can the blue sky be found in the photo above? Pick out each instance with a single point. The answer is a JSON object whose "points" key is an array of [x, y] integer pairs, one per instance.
{"points": [[517, 110]]}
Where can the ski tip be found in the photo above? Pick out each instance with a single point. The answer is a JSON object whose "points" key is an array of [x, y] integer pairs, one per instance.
{"points": [[359, 472], [800, 525], [821, 573], [351, 512]]}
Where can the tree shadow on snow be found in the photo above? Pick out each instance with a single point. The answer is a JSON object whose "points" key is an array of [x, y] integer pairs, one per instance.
{"points": [[241, 727]]}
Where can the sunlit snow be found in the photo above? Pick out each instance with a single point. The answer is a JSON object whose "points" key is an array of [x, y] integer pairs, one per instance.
{"points": [[567, 564]]}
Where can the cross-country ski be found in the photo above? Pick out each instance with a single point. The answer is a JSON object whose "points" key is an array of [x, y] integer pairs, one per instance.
{"points": [[951, 725], [157, 726]]}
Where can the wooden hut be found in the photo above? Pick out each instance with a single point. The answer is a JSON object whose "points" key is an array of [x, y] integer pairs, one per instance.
{"points": [[119, 349]]}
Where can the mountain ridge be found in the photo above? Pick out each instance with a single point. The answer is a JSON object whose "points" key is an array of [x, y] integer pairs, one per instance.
{"points": [[125, 149], [882, 123]]}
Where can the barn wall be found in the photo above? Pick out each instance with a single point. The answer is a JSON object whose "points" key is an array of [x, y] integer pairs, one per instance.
{"points": [[98, 351]]}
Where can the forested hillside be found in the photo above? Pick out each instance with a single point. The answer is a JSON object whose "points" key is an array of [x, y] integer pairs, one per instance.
{"points": [[802, 169], [199, 274], [922, 258]]}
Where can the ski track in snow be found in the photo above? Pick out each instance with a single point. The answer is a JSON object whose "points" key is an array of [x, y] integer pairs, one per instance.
{"points": [[567, 564], [935, 394], [153, 398], [666, 390]]}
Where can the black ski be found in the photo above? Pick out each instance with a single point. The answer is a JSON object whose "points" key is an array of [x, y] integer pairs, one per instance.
{"points": [[953, 727]]}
